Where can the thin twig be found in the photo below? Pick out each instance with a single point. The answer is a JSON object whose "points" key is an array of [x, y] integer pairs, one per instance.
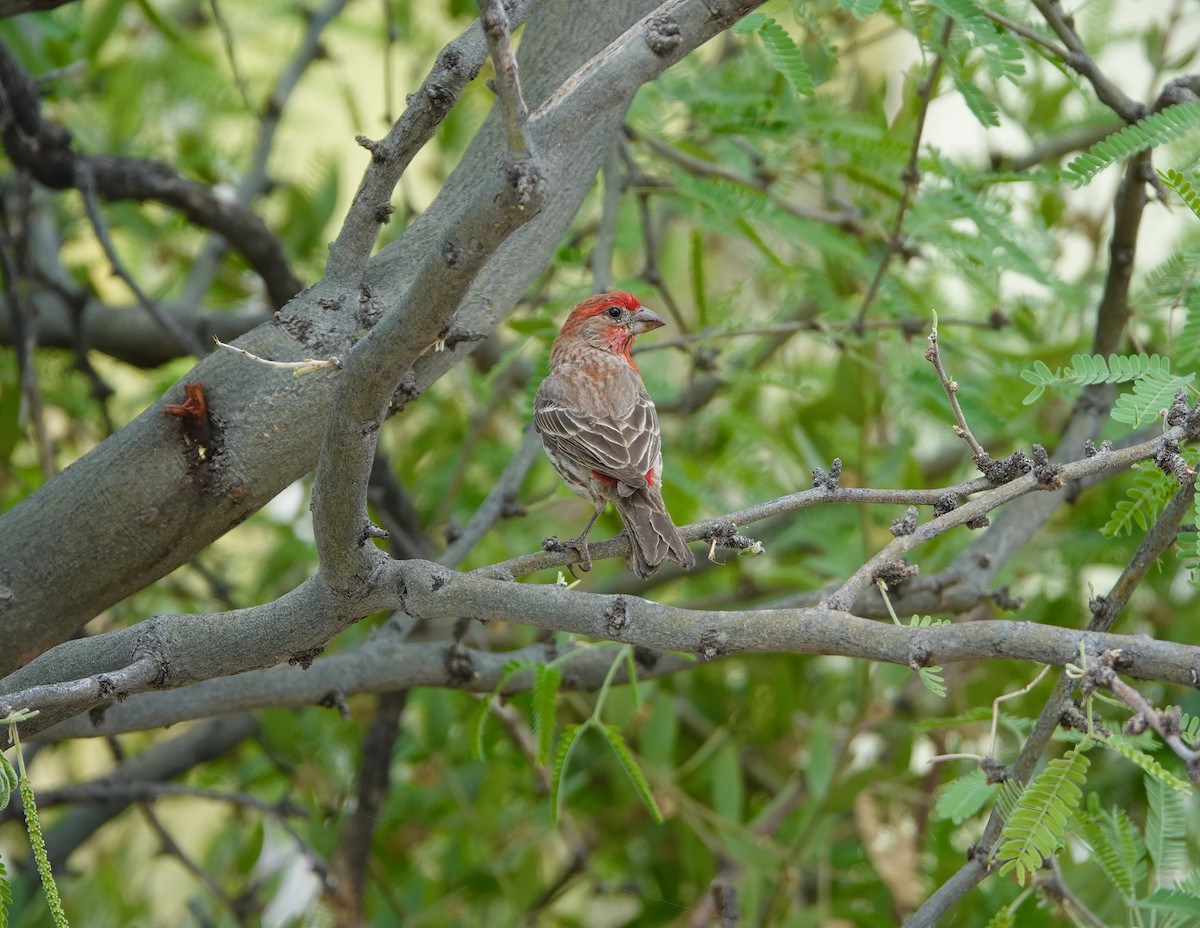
{"points": [[231, 52], [1079, 60], [502, 495], [650, 273], [908, 326], [498, 33], [13, 258], [105, 790], [255, 180], [848, 220], [1027, 32], [910, 176], [1165, 725], [1004, 698], [348, 867], [1160, 537], [171, 846], [457, 64], [303, 366], [1056, 888], [962, 430], [86, 184]]}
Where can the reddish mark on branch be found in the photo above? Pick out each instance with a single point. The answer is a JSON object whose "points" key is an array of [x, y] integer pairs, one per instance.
{"points": [[200, 433], [194, 407]]}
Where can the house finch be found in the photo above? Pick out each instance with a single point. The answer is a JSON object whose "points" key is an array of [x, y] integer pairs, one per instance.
{"points": [[600, 429]]}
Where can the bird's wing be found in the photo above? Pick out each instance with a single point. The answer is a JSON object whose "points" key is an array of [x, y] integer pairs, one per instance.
{"points": [[624, 446]]}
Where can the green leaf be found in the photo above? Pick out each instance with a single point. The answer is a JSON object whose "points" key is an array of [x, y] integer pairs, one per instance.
{"points": [[1149, 494], [9, 782], [1001, 53], [546, 680], [933, 680], [961, 798], [630, 765], [1148, 764], [1002, 919], [99, 25], [1119, 848], [1190, 725], [785, 57], [983, 109], [1156, 129], [1039, 821], [1165, 831], [1151, 394], [1085, 370], [1171, 901], [749, 23], [860, 9], [818, 772], [728, 791], [558, 772], [511, 669], [1182, 186], [5, 896], [1187, 346]]}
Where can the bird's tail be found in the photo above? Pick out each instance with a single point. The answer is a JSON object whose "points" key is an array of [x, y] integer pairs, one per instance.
{"points": [[652, 534]]}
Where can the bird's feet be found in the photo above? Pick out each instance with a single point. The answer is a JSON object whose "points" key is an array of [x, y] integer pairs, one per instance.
{"points": [[578, 545]]}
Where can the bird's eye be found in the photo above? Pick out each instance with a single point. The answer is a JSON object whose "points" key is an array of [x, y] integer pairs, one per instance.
{"points": [[614, 312]]}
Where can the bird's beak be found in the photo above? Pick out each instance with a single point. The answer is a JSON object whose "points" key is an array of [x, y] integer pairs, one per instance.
{"points": [[644, 321]]}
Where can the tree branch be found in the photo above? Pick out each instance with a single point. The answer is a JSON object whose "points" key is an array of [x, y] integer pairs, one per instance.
{"points": [[1104, 614], [44, 150], [271, 424], [376, 364]]}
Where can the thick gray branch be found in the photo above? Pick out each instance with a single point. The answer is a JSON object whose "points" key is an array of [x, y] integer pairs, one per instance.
{"points": [[137, 494]]}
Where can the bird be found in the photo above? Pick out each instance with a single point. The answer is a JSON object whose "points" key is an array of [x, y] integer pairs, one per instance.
{"points": [[600, 430]]}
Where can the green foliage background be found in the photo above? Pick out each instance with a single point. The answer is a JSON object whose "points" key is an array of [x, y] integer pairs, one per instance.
{"points": [[802, 779]]}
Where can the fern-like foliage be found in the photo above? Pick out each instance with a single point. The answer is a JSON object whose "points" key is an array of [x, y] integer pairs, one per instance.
{"points": [[1146, 498], [1182, 186], [566, 744], [1188, 550], [1149, 765], [1118, 846], [1156, 129], [613, 736], [1002, 54], [784, 55], [1087, 369], [1187, 345], [1173, 902], [860, 9], [479, 722], [5, 896], [961, 798], [1039, 821], [1165, 830], [1169, 280], [1150, 395]]}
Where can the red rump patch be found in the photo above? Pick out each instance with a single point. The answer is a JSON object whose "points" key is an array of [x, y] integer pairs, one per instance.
{"points": [[651, 477], [605, 479]]}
